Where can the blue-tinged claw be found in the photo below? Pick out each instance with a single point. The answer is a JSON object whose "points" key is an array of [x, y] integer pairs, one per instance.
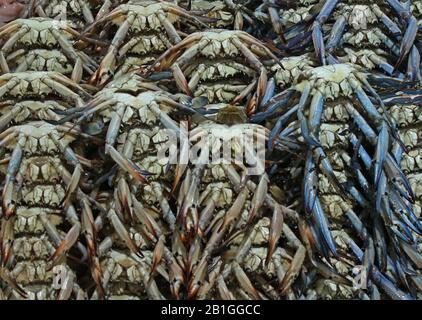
{"points": [[387, 82], [318, 41], [289, 139], [315, 112], [279, 125], [307, 136], [385, 66], [357, 225], [326, 10], [356, 195], [331, 59], [328, 171], [377, 277], [364, 156], [269, 93], [380, 242], [412, 253], [321, 222], [413, 65], [367, 105], [409, 96], [392, 27], [381, 191], [394, 171], [398, 7], [306, 133], [405, 234], [310, 184], [380, 152], [408, 39], [336, 33], [396, 267], [363, 126], [405, 212], [274, 104], [388, 286]]}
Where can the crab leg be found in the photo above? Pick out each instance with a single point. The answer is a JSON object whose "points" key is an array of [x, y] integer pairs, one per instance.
{"points": [[180, 79], [408, 39], [12, 169], [223, 291], [13, 39], [294, 269], [66, 243], [114, 125], [310, 184], [168, 57], [123, 233], [72, 185], [258, 197], [128, 165], [336, 34], [317, 36], [262, 80], [245, 282], [276, 229], [414, 61], [168, 26], [4, 68]]}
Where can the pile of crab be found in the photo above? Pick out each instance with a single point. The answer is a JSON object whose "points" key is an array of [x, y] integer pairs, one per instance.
{"points": [[255, 149]]}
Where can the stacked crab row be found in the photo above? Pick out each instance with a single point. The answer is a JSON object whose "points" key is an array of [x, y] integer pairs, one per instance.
{"points": [[102, 104]]}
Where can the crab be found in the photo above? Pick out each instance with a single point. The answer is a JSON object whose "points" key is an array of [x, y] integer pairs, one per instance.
{"points": [[325, 188], [139, 210], [216, 209], [238, 73], [49, 35], [35, 84], [369, 26], [37, 200], [290, 69], [80, 12], [145, 30]]}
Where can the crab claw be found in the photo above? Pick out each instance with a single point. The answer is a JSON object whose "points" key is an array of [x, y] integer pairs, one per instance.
{"points": [[258, 198], [68, 241], [381, 152], [318, 40], [129, 166], [310, 184], [96, 274], [104, 72], [276, 228], [322, 226], [408, 40], [245, 282], [180, 79], [123, 233], [156, 258], [73, 185], [125, 199], [198, 277], [235, 210], [293, 270], [5, 276]]}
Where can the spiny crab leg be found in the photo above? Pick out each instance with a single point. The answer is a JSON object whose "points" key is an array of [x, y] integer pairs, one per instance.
{"points": [[167, 58], [123, 233], [317, 37], [12, 169], [128, 165], [13, 39], [4, 67]]}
